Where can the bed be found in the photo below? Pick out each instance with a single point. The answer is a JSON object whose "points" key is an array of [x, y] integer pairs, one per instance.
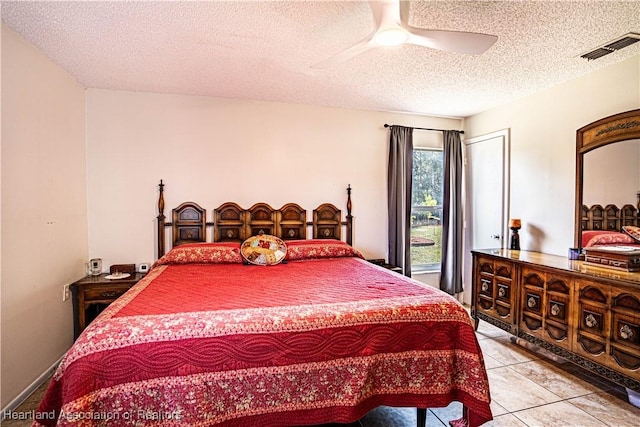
{"points": [[609, 226], [318, 336]]}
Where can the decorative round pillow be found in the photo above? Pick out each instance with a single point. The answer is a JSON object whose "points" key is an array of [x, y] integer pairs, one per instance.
{"points": [[263, 249], [632, 231]]}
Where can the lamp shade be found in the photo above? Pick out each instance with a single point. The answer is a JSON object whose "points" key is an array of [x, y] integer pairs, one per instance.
{"points": [[515, 223]]}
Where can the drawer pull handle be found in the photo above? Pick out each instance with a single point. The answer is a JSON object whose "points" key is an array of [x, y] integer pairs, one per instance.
{"points": [[555, 309], [485, 285], [502, 292], [109, 294], [590, 321], [531, 302], [626, 332]]}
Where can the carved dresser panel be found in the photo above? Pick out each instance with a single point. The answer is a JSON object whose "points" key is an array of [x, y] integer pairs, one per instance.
{"points": [[586, 314]]}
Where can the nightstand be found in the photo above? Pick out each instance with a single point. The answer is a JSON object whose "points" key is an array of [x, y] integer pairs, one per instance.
{"points": [[92, 294], [382, 263]]}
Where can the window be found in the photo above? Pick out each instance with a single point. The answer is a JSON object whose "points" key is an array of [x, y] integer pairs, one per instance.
{"points": [[426, 210]]}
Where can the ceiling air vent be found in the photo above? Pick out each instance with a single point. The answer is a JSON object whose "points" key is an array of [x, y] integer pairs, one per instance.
{"points": [[610, 47]]}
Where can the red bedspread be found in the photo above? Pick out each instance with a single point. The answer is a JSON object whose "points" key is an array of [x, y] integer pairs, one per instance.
{"points": [[592, 238], [301, 343]]}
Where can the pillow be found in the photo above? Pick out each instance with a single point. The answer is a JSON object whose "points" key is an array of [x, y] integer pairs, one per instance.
{"points": [[203, 253], [633, 232], [263, 249], [319, 248], [599, 237]]}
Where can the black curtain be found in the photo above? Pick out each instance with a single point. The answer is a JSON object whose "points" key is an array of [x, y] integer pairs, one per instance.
{"points": [[451, 268], [399, 196]]}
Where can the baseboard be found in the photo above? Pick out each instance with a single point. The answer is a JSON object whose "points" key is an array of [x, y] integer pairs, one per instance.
{"points": [[29, 390]]}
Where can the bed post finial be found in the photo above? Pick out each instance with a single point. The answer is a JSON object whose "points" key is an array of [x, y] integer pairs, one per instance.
{"points": [[349, 217], [161, 199], [161, 218]]}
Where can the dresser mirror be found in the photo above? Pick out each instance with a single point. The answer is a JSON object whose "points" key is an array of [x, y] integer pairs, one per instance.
{"points": [[607, 168], [611, 174]]}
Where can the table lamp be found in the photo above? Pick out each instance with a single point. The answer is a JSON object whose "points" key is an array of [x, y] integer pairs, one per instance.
{"points": [[515, 225]]}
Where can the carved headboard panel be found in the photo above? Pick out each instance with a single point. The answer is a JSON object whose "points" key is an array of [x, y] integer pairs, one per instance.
{"points": [[260, 219], [608, 218], [229, 218], [326, 222], [292, 223], [189, 223], [232, 223]]}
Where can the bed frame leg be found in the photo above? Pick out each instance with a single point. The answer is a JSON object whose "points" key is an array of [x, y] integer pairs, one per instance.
{"points": [[422, 417]]}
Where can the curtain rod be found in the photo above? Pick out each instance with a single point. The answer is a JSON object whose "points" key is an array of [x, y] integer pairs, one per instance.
{"points": [[438, 130]]}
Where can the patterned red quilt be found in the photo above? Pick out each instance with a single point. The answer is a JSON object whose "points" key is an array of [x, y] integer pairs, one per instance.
{"points": [[314, 340]]}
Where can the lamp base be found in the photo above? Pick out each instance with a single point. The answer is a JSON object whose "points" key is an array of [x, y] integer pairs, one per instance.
{"points": [[515, 240]]}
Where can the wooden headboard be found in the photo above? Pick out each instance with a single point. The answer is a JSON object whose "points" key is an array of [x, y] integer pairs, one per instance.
{"points": [[608, 218], [232, 223]]}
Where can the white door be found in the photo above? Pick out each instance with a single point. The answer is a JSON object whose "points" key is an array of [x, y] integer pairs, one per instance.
{"points": [[486, 197]]}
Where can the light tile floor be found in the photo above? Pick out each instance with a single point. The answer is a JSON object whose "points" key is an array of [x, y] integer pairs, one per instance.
{"points": [[526, 390]]}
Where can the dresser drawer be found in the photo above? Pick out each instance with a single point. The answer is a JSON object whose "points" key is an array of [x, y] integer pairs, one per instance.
{"points": [[106, 293], [503, 269]]}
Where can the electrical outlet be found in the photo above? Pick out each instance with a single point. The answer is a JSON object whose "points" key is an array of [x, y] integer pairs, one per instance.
{"points": [[66, 293]]}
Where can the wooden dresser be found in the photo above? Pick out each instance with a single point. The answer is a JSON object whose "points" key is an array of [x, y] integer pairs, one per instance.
{"points": [[586, 314]]}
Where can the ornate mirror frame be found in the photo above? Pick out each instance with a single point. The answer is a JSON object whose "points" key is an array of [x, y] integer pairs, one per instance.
{"points": [[619, 127]]}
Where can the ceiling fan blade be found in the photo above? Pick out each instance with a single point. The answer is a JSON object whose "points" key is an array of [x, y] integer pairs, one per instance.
{"points": [[346, 54], [451, 41], [377, 9], [383, 15], [404, 12]]}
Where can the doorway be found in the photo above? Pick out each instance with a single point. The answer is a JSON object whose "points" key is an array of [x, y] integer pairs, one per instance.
{"points": [[486, 198]]}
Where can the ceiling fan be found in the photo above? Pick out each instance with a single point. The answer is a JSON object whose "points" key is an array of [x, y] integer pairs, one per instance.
{"points": [[392, 29]]}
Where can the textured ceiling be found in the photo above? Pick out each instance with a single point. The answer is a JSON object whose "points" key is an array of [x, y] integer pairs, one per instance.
{"points": [[265, 50]]}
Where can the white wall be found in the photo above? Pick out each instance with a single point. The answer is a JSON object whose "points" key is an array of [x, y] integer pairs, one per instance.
{"points": [[211, 151], [543, 140], [44, 217]]}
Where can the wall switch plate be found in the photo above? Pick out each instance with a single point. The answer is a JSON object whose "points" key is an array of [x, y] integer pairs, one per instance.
{"points": [[66, 292], [144, 268]]}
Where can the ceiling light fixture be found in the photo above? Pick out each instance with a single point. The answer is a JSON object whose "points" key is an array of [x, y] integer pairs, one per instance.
{"points": [[391, 37]]}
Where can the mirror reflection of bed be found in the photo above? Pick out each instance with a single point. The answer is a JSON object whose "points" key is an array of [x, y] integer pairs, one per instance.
{"points": [[609, 226], [610, 194]]}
